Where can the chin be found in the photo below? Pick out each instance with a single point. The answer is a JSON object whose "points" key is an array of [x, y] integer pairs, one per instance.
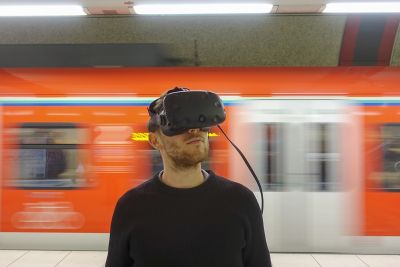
{"points": [[192, 161]]}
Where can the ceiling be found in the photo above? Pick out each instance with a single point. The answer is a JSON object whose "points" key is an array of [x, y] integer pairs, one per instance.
{"points": [[124, 7]]}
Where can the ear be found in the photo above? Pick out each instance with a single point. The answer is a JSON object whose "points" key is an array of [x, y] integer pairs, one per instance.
{"points": [[154, 140]]}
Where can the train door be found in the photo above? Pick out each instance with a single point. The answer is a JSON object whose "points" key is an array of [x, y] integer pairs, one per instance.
{"points": [[1, 161], [295, 147], [381, 192]]}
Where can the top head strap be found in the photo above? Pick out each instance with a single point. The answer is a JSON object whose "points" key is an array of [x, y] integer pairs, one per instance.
{"points": [[153, 112]]}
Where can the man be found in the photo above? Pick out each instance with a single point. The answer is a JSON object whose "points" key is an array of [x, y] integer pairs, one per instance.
{"points": [[185, 216]]}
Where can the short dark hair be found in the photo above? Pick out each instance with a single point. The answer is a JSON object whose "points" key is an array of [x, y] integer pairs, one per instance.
{"points": [[152, 124]]}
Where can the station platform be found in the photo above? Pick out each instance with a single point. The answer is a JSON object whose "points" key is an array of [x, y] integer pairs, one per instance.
{"points": [[35, 258]]}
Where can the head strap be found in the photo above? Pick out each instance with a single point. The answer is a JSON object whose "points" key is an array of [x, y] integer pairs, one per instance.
{"points": [[151, 110]]}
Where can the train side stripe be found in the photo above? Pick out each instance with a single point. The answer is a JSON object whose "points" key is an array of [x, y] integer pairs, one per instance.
{"points": [[42, 102], [395, 101]]}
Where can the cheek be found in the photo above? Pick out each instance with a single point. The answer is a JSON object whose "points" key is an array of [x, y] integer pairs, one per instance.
{"points": [[165, 145], [170, 145]]}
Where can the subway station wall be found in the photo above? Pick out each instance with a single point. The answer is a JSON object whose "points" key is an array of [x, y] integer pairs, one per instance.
{"points": [[256, 40]]}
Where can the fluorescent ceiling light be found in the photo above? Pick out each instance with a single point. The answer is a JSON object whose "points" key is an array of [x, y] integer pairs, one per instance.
{"points": [[187, 9], [367, 7], [40, 10]]}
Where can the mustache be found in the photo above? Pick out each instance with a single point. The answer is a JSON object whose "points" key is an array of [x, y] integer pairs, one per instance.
{"points": [[194, 138]]}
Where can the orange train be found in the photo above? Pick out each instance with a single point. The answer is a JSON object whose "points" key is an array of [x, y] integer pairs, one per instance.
{"points": [[325, 143]]}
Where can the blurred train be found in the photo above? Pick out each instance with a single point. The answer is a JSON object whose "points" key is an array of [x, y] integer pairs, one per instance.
{"points": [[325, 143]]}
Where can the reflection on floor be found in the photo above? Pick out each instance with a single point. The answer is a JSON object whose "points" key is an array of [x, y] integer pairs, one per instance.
{"points": [[23, 258]]}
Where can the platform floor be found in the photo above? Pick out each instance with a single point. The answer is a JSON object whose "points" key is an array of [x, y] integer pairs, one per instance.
{"points": [[23, 258]]}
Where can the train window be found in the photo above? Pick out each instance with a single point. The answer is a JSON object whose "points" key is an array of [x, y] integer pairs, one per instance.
{"points": [[29, 134], [49, 155], [389, 178], [272, 148], [323, 156]]}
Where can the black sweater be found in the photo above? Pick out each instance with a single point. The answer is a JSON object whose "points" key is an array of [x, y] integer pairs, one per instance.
{"points": [[215, 224]]}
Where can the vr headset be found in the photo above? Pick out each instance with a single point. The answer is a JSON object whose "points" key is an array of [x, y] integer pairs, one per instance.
{"points": [[183, 109]]}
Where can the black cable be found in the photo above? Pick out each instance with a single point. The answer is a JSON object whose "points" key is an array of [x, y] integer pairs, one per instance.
{"points": [[248, 166]]}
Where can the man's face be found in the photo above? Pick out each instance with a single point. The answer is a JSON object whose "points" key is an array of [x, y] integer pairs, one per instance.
{"points": [[185, 150]]}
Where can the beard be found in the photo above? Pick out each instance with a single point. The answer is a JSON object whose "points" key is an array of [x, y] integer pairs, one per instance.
{"points": [[187, 157]]}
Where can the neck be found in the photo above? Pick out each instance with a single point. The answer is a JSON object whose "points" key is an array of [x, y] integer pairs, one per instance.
{"points": [[183, 178]]}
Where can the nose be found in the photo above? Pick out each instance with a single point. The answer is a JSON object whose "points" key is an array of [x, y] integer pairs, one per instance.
{"points": [[195, 130]]}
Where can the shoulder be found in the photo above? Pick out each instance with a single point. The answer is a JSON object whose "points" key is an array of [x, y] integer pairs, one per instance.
{"points": [[129, 204], [235, 189], [139, 191], [238, 196], [231, 186]]}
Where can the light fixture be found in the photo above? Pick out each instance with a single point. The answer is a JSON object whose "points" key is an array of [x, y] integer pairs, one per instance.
{"points": [[366, 7], [191, 9], [40, 10]]}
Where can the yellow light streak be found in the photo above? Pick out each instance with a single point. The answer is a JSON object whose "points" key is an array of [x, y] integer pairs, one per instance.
{"points": [[140, 136]]}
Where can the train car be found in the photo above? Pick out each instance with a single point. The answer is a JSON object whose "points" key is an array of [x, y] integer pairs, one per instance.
{"points": [[325, 143]]}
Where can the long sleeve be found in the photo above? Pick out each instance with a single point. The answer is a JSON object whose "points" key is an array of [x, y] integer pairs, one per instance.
{"points": [[256, 253], [118, 247]]}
